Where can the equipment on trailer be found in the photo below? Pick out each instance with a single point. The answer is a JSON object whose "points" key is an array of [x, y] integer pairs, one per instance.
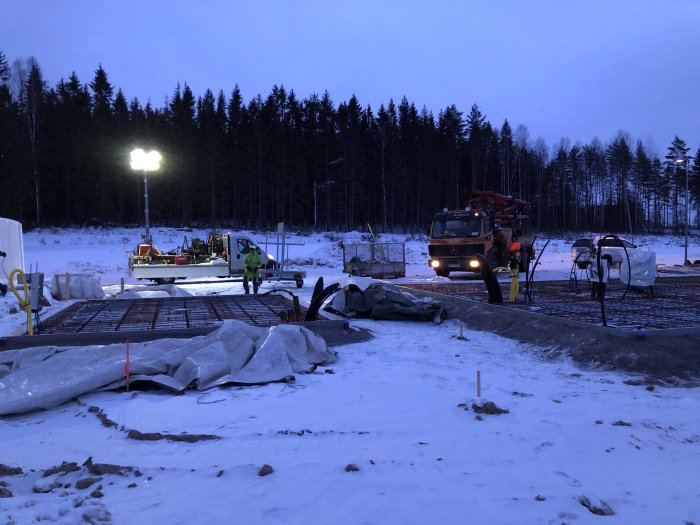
{"points": [[485, 226], [220, 256], [378, 260]]}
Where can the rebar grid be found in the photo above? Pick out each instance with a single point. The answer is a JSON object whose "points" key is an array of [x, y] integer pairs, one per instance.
{"points": [[122, 315], [673, 302]]}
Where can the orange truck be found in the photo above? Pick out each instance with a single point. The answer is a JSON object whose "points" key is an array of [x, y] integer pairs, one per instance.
{"points": [[484, 226]]}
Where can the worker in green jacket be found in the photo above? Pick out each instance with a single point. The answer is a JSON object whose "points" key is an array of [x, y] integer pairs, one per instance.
{"points": [[252, 263]]}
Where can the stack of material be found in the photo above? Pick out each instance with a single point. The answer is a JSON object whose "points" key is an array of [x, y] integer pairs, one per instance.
{"points": [[45, 377], [80, 286]]}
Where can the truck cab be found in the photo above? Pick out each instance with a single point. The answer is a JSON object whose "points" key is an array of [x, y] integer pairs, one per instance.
{"points": [[485, 226], [241, 247], [456, 237]]}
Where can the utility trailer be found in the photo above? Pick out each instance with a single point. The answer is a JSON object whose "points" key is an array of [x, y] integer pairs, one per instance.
{"points": [[377, 260], [220, 256]]}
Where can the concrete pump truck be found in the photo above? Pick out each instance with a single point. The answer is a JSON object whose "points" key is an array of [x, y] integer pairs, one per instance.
{"points": [[485, 225]]}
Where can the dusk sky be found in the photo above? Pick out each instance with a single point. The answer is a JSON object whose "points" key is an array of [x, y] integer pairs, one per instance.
{"points": [[564, 69]]}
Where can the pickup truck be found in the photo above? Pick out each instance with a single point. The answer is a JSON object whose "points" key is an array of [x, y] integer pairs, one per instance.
{"points": [[220, 256]]}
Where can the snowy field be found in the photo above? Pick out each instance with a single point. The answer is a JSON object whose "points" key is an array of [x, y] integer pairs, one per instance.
{"points": [[386, 434]]}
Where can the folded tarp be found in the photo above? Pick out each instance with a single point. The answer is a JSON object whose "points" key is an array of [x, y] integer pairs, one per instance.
{"points": [[387, 302], [45, 377]]}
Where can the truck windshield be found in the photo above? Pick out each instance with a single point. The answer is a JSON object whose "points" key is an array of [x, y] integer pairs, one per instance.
{"points": [[455, 227]]}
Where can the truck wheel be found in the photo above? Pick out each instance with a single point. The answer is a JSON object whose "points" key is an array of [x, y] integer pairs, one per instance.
{"points": [[300, 284], [442, 272], [492, 258], [165, 280]]}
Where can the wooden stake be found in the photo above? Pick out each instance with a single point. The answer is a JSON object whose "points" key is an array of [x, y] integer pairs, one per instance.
{"points": [[66, 290], [297, 309], [126, 366], [478, 383], [121, 284]]}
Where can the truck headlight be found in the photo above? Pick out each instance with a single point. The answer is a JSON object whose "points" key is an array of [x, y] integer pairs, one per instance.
{"points": [[474, 263], [434, 263]]}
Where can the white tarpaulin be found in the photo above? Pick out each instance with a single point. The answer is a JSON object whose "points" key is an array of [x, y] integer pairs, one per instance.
{"points": [[81, 286], [11, 244], [45, 377], [643, 265]]}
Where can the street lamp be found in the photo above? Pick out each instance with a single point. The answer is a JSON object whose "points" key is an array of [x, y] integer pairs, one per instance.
{"points": [[684, 160], [142, 161]]}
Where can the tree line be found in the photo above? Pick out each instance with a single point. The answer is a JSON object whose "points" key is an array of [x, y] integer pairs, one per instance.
{"points": [[64, 159]]}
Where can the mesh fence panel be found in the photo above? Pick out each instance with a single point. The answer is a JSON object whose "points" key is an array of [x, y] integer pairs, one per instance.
{"points": [[375, 252]]}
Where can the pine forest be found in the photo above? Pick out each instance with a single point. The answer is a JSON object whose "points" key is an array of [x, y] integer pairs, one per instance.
{"points": [[312, 162]]}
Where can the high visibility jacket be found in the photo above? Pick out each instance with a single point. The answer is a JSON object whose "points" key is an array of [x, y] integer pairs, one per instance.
{"points": [[252, 263], [514, 247]]}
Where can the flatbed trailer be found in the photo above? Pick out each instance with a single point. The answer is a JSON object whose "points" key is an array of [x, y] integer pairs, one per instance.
{"points": [[221, 256]]}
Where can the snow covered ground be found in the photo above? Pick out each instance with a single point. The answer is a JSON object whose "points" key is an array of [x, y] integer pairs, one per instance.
{"points": [[387, 434]]}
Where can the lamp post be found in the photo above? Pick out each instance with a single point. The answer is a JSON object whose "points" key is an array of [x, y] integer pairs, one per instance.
{"points": [[684, 160], [143, 161]]}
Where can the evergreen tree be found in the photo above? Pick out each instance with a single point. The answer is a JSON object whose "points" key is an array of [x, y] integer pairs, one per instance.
{"points": [[75, 123], [474, 128], [4, 69], [620, 161], [675, 169], [506, 157], [184, 185], [102, 150], [694, 185], [33, 97], [234, 147]]}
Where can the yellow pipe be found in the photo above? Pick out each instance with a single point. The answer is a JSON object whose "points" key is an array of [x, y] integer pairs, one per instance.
{"points": [[22, 304], [514, 283]]}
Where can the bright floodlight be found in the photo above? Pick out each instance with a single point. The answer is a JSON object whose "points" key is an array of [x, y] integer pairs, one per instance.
{"points": [[680, 161], [140, 160]]}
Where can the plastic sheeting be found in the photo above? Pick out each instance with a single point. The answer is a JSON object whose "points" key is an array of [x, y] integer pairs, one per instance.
{"points": [[383, 301], [45, 377], [82, 286], [643, 265], [11, 243]]}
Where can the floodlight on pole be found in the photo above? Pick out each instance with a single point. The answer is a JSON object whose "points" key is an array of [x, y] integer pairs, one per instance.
{"points": [[684, 160], [145, 161]]}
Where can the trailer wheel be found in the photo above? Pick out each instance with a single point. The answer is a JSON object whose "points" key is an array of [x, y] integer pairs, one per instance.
{"points": [[300, 284], [165, 280]]}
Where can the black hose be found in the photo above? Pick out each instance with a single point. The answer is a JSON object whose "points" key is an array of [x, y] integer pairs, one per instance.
{"points": [[575, 265], [601, 290], [318, 300], [492, 284], [530, 281]]}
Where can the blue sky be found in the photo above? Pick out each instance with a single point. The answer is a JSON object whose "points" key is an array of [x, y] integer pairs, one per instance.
{"points": [[564, 69]]}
